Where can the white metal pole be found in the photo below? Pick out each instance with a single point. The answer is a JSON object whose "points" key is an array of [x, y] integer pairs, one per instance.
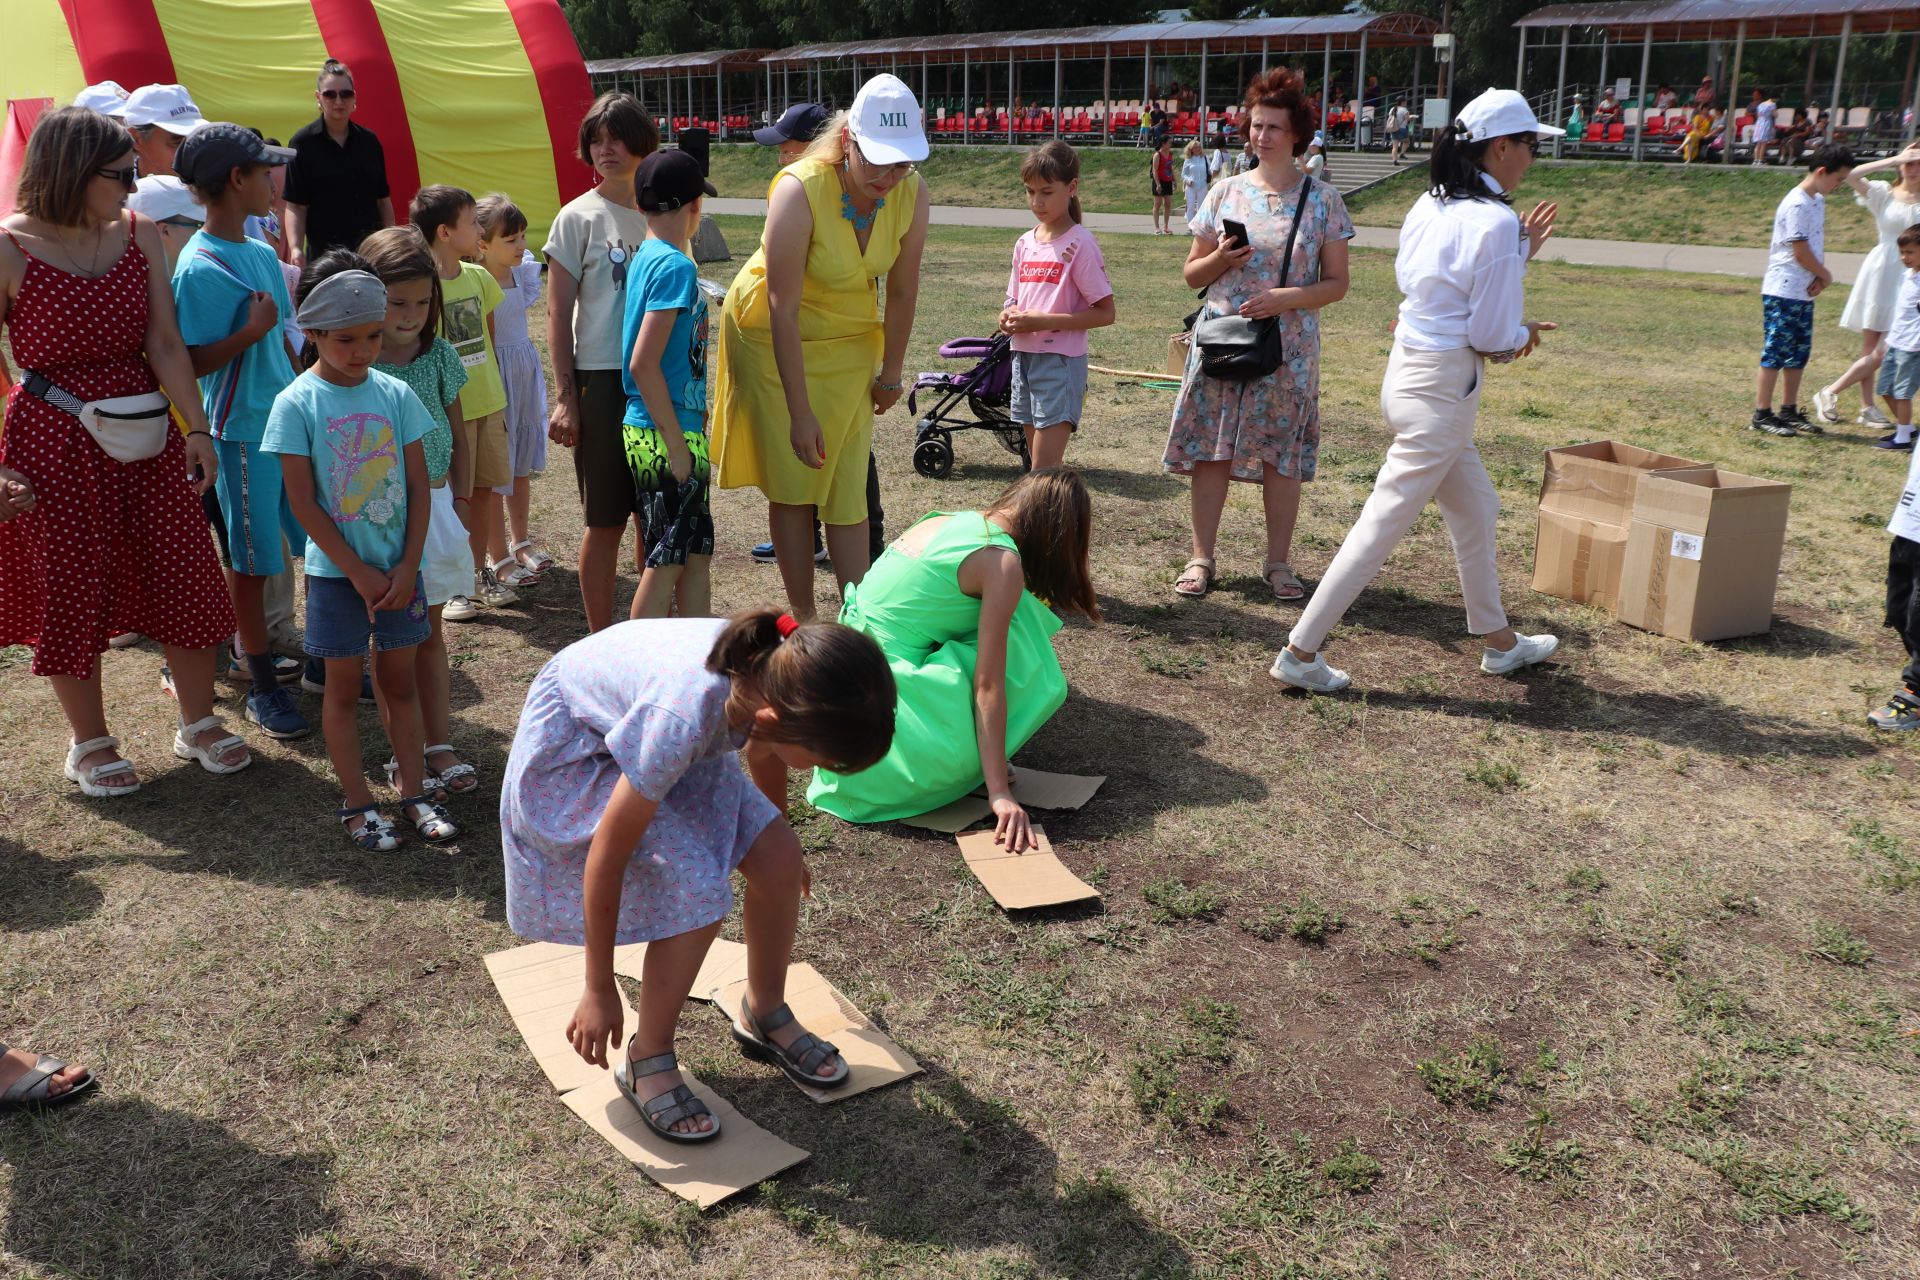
{"points": [[1106, 95], [669, 80], [1326, 79], [1729, 131], [1640, 121], [1601, 84], [1914, 123], [1839, 70], [719, 101], [770, 116], [1559, 89], [1203, 90], [923, 86], [1263, 55], [1520, 71], [1360, 90]]}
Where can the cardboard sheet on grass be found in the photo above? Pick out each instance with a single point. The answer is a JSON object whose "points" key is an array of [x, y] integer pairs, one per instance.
{"points": [[1586, 506], [540, 984], [1018, 882]]}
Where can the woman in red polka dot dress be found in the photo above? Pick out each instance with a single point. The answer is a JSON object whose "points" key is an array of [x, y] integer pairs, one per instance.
{"points": [[107, 546]]}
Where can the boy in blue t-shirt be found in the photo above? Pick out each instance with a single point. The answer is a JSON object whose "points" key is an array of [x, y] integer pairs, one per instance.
{"points": [[665, 336], [231, 298]]}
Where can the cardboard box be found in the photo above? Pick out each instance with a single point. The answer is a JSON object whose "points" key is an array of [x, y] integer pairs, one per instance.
{"points": [[1586, 504], [1703, 554], [1177, 347]]}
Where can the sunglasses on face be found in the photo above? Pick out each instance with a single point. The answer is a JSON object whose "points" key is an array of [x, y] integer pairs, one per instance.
{"points": [[337, 95], [127, 177]]}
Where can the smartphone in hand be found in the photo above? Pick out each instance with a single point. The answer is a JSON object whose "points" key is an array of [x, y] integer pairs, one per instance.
{"points": [[1237, 230]]}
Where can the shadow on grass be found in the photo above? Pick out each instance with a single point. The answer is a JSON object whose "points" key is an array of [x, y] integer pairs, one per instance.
{"points": [[112, 1187], [955, 1171], [42, 893]]}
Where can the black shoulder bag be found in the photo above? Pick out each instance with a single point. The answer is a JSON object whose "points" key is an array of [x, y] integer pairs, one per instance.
{"points": [[1237, 349]]}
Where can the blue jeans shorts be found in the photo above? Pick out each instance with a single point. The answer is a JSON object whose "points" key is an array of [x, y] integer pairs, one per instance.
{"points": [[1899, 374], [337, 625], [1048, 388], [1789, 324]]}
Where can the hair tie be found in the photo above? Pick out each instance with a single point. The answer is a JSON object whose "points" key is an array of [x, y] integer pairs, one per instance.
{"points": [[1461, 131], [786, 625]]}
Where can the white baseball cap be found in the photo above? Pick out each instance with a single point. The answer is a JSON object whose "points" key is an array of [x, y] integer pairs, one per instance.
{"points": [[167, 105], [107, 97], [886, 122], [163, 198], [1498, 113]]}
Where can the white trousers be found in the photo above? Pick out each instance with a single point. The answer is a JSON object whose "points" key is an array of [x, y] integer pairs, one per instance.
{"points": [[1430, 399]]}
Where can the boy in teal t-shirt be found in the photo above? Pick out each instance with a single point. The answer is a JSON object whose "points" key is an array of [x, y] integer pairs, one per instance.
{"points": [[665, 429]]}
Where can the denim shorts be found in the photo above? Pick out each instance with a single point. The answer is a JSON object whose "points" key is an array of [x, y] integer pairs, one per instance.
{"points": [[1899, 374], [1789, 325], [337, 625], [1048, 388]]}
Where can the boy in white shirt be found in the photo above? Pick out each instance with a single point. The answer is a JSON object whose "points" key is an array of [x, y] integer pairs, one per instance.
{"points": [[1796, 275], [1900, 370]]}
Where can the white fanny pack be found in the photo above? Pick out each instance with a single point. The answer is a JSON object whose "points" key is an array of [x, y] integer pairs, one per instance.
{"points": [[127, 428]]}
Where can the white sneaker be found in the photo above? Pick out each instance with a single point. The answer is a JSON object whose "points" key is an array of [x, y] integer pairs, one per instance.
{"points": [[1529, 650], [1315, 676], [124, 640], [494, 593], [459, 609], [1826, 405], [1872, 417]]}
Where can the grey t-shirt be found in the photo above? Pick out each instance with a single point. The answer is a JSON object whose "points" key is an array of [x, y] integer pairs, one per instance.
{"points": [[594, 240]]}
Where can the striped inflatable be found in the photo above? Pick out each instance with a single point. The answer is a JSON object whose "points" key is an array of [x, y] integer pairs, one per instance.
{"points": [[484, 94]]}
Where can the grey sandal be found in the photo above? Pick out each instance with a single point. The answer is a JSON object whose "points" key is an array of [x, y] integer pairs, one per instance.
{"points": [[664, 1110], [800, 1060], [30, 1090]]}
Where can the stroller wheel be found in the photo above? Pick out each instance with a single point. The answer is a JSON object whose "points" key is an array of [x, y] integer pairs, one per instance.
{"points": [[933, 457]]}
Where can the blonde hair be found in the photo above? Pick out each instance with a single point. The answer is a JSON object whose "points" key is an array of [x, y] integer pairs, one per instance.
{"points": [[829, 145], [1195, 149]]}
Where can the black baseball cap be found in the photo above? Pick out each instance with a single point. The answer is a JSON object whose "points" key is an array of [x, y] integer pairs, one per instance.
{"points": [[211, 152], [801, 122], [670, 179]]}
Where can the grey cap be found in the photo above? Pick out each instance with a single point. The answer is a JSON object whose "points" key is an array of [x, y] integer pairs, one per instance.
{"points": [[344, 300], [211, 152]]}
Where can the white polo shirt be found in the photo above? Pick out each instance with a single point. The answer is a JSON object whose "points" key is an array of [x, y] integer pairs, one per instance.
{"points": [[1462, 265]]}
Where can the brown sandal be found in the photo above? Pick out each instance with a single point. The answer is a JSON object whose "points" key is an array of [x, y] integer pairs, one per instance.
{"points": [[1203, 579], [1289, 586]]}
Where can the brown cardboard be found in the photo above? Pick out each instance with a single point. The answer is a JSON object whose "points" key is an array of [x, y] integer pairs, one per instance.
{"points": [[1019, 881], [1177, 347], [541, 985], [744, 1155], [1586, 504], [872, 1058], [1703, 554], [722, 957], [951, 818], [1038, 789]]}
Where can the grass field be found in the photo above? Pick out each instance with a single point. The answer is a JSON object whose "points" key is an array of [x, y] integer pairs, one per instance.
{"points": [[1600, 971], [1663, 203]]}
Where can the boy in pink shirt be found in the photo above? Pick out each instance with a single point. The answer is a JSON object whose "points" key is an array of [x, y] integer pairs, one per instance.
{"points": [[1057, 290]]}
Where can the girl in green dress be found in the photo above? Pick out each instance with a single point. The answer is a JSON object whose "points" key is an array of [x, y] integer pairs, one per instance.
{"points": [[959, 606]]}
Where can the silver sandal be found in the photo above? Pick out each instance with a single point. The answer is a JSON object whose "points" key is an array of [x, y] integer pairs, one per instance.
{"points": [[664, 1110], [434, 826], [89, 778], [799, 1059], [186, 748]]}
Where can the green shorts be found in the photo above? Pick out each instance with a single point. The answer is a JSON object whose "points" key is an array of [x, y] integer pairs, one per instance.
{"points": [[676, 519]]}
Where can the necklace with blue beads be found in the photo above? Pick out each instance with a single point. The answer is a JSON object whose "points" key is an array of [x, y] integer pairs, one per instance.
{"points": [[860, 221]]}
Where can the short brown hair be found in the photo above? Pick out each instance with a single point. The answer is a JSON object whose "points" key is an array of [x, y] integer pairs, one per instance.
{"points": [[829, 685], [499, 216], [399, 254], [1050, 516], [1909, 237], [438, 206], [332, 67], [619, 116], [68, 145], [1279, 89]]}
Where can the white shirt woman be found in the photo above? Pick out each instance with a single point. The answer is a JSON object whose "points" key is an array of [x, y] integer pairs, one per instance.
{"points": [[1461, 266]]}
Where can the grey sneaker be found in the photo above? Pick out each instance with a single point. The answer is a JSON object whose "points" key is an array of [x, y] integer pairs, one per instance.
{"points": [[1901, 712], [1869, 417], [1315, 676], [1525, 652], [1826, 405], [493, 592]]}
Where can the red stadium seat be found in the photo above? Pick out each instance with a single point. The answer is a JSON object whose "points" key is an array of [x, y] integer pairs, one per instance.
{"points": [[1616, 133], [1596, 133]]}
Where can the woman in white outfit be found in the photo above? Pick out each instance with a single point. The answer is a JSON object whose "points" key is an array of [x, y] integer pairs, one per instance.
{"points": [[1461, 266], [1869, 312]]}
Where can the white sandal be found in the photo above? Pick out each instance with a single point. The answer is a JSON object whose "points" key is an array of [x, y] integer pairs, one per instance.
{"points": [[89, 779], [512, 573], [541, 561], [186, 748]]}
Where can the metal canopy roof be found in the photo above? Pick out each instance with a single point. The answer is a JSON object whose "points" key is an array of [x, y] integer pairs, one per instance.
{"points": [[706, 60], [1345, 30], [1718, 19]]}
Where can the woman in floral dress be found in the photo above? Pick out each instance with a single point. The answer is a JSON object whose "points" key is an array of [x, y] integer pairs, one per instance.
{"points": [[1267, 430]]}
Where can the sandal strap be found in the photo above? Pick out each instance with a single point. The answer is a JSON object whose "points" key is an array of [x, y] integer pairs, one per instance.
{"points": [[98, 771], [772, 1020], [199, 726], [659, 1062], [808, 1052], [675, 1105], [106, 742], [35, 1078], [517, 547]]}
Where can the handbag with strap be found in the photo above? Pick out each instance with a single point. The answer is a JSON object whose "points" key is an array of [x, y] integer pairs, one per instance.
{"points": [[1236, 348], [127, 428]]}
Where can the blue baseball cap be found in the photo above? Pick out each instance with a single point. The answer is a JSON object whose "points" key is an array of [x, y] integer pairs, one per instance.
{"points": [[801, 122]]}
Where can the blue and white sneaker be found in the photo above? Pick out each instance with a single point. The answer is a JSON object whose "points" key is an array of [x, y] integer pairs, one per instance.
{"points": [[314, 680], [286, 670], [763, 552], [273, 710]]}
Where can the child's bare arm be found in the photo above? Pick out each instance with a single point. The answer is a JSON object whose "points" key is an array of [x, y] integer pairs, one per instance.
{"points": [[403, 577], [263, 317], [768, 773], [644, 364]]}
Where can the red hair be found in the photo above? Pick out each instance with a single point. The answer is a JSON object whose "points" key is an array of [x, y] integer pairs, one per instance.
{"points": [[1279, 89]]}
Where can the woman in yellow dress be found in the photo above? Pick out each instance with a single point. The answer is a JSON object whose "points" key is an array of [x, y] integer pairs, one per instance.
{"points": [[805, 361]]}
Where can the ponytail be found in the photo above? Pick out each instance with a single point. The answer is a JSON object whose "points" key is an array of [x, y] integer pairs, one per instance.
{"points": [[829, 686], [1455, 172]]}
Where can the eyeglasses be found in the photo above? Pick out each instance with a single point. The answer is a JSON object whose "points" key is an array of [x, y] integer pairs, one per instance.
{"points": [[902, 169], [337, 95], [1532, 143], [127, 177]]}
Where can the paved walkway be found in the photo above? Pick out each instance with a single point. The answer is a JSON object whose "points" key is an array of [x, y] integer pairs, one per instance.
{"points": [[1751, 263]]}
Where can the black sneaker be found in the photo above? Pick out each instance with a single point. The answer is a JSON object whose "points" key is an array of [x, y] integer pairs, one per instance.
{"points": [[1764, 420], [1900, 712], [1791, 415], [1894, 443]]}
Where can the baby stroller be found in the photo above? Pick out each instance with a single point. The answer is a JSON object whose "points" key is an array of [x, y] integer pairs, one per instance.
{"points": [[987, 391]]}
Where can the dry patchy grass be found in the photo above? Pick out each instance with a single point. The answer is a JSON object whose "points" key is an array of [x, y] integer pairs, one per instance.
{"points": [[1646, 932]]}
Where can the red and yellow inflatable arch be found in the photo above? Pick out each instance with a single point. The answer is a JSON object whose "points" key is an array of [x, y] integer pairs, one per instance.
{"points": [[484, 94]]}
